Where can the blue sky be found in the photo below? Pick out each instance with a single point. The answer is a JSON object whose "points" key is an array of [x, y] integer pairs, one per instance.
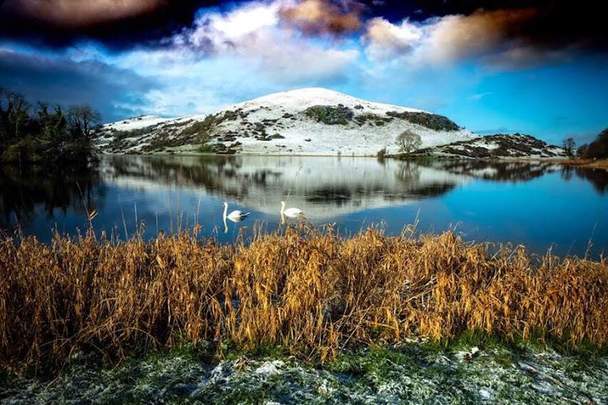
{"points": [[468, 66]]}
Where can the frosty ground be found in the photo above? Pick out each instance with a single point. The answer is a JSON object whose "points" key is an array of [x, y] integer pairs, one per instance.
{"points": [[413, 373]]}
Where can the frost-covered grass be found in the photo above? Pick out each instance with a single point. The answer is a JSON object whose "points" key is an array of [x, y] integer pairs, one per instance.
{"points": [[414, 372]]}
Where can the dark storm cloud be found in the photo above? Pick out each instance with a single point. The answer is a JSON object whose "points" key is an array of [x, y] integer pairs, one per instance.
{"points": [[78, 13], [116, 23], [113, 92], [554, 24], [545, 25], [324, 16]]}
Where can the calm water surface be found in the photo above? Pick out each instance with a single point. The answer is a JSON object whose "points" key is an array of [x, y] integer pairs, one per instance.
{"points": [[539, 205]]}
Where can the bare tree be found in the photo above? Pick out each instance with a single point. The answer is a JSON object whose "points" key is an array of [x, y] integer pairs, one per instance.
{"points": [[83, 119], [409, 141], [14, 113], [569, 146]]}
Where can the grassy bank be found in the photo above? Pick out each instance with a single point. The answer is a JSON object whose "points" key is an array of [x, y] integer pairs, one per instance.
{"points": [[587, 163], [312, 294]]}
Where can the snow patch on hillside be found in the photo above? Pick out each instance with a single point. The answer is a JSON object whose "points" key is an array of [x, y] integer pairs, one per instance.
{"points": [[301, 99], [136, 123]]}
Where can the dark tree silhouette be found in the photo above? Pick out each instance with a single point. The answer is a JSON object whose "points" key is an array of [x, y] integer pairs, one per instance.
{"points": [[598, 149], [569, 146], [43, 135]]}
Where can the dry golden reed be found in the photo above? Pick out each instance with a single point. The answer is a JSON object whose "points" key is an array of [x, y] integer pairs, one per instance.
{"points": [[313, 293]]}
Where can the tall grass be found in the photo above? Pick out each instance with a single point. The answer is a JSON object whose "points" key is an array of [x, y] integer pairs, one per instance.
{"points": [[313, 293]]}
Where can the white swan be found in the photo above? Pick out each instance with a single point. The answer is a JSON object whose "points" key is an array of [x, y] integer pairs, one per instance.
{"points": [[291, 212], [234, 216]]}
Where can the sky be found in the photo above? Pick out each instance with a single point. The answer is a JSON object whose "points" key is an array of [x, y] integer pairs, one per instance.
{"points": [[493, 66]]}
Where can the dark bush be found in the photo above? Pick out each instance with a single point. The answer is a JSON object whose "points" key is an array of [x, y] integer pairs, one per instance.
{"points": [[201, 127], [375, 119], [597, 149], [42, 135], [431, 121], [330, 115]]}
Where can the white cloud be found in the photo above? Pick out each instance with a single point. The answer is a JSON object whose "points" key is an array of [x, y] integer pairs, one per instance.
{"points": [[230, 56], [452, 38], [254, 33], [251, 50], [323, 16], [221, 32], [385, 39]]}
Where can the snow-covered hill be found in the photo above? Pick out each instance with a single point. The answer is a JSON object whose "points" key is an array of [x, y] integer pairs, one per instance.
{"points": [[311, 121], [502, 146]]}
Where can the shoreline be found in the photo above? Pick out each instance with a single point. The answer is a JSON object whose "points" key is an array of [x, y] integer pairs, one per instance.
{"points": [[582, 163], [373, 156], [587, 163]]}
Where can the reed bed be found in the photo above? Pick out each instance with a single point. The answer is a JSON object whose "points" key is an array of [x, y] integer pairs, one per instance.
{"points": [[310, 292]]}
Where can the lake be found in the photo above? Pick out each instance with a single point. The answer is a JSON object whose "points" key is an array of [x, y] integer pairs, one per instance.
{"points": [[540, 205]]}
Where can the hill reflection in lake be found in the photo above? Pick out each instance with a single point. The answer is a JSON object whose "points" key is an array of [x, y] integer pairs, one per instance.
{"points": [[323, 187], [539, 205]]}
